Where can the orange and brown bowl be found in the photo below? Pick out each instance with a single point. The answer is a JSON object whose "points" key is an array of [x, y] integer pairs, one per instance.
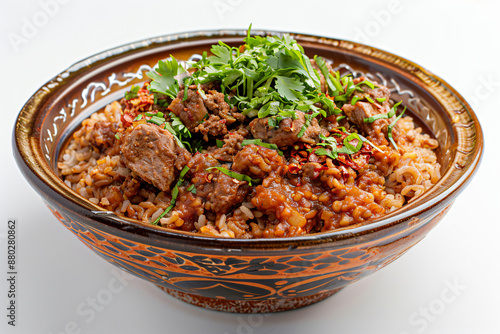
{"points": [[243, 275]]}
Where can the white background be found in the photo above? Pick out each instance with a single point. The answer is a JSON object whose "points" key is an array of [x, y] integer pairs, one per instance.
{"points": [[458, 40]]}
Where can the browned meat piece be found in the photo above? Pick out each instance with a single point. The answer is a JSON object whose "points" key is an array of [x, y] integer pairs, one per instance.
{"points": [[102, 135], [232, 145], [378, 92], [192, 112], [200, 176], [214, 126], [287, 131], [363, 109], [257, 161], [153, 154], [228, 193], [215, 103], [311, 171], [220, 191]]}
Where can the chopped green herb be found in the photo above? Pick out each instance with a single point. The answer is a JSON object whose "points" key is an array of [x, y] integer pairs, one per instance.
{"points": [[174, 193], [260, 143], [369, 99], [172, 131], [163, 78], [187, 82], [167, 210], [235, 175], [132, 93], [326, 74], [382, 116], [308, 118], [348, 147], [138, 118], [341, 118], [381, 99], [355, 99], [219, 143], [389, 129], [323, 151], [156, 120], [117, 136], [192, 189]]}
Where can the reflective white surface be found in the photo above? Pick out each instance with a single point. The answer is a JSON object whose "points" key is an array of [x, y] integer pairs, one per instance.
{"points": [[448, 283]]}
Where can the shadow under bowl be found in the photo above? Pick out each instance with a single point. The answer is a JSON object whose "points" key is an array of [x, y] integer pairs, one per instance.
{"points": [[236, 275]]}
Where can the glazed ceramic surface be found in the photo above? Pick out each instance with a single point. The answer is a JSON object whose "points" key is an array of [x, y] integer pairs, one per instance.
{"points": [[243, 275]]}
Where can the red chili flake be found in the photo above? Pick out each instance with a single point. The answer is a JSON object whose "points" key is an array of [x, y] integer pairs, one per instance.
{"points": [[223, 121], [294, 168], [127, 120], [209, 177]]}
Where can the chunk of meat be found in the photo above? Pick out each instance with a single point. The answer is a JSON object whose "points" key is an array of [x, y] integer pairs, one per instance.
{"points": [[200, 176], [153, 154], [232, 145], [356, 113], [257, 161], [215, 103], [228, 193], [287, 131], [219, 191], [192, 112], [213, 126], [102, 134]]}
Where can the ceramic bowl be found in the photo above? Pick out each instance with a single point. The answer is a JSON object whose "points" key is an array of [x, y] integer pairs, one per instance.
{"points": [[243, 275]]}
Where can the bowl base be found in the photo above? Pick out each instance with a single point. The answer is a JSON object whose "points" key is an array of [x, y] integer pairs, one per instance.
{"points": [[248, 306]]}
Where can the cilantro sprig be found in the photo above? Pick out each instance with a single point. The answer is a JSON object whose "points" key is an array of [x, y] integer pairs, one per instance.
{"points": [[163, 77]]}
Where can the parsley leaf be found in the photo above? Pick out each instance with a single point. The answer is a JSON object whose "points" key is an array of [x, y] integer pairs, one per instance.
{"points": [[286, 85], [163, 77], [132, 93]]}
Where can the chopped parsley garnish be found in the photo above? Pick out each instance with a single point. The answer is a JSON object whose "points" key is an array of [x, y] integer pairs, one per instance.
{"points": [[132, 93], [268, 77], [347, 148], [235, 175], [219, 143], [163, 80]]}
